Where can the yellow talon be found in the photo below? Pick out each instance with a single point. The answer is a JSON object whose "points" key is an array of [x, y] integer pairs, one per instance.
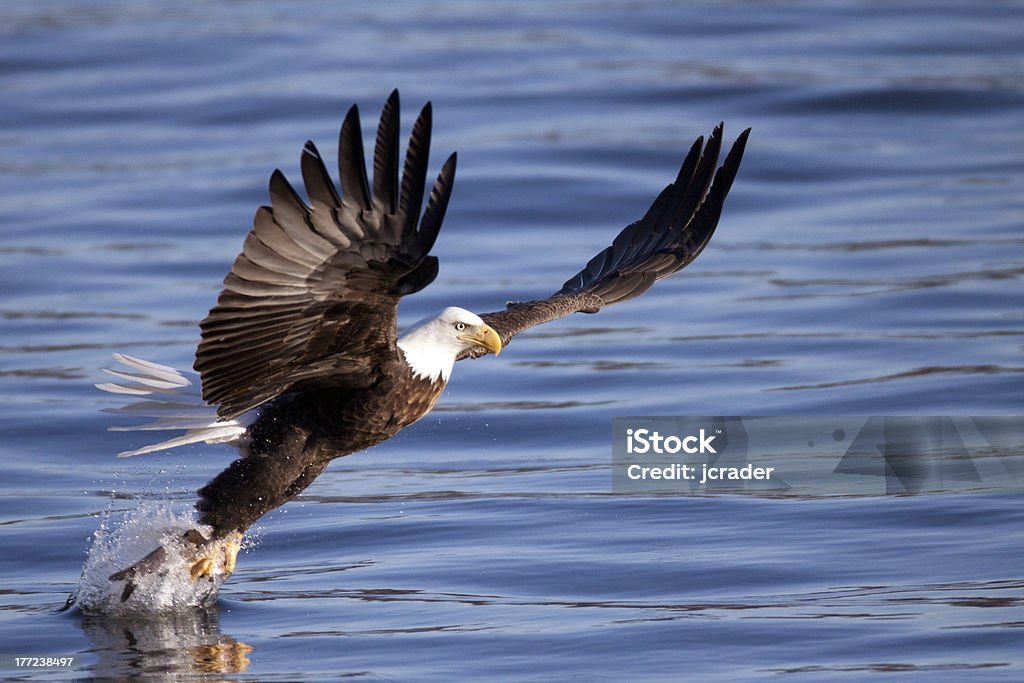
{"points": [[217, 555], [204, 567], [231, 549]]}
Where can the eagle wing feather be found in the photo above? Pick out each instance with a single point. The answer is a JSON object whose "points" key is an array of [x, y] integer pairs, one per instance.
{"points": [[314, 292], [672, 233]]}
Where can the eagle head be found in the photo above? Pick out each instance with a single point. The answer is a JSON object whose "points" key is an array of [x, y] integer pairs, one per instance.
{"points": [[431, 346]]}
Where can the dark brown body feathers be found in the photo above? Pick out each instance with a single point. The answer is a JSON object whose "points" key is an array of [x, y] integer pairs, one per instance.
{"points": [[298, 434]]}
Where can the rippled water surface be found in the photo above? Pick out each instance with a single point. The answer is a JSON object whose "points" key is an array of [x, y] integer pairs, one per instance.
{"points": [[869, 261]]}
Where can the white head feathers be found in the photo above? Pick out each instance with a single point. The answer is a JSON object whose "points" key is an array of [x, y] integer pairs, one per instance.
{"points": [[432, 345]]}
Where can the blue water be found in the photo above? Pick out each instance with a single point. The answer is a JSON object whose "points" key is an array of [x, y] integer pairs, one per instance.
{"points": [[869, 262]]}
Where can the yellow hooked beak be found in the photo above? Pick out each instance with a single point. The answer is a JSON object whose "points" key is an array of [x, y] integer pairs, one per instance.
{"points": [[486, 337]]}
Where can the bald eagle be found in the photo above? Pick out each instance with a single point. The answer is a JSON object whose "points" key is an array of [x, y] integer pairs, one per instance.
{"points": [[300, 357]]}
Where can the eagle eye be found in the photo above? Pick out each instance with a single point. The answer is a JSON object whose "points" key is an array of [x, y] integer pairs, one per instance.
{"points": [[460, 326]]}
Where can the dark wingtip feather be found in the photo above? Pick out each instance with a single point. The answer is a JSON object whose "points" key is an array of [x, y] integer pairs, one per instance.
{"points": [[689, 164], [352, 161], [733, 159], [280, 189], [437, 205], [691, 196], [704, 222], [385, 155], [319, 186], [414, 174]]}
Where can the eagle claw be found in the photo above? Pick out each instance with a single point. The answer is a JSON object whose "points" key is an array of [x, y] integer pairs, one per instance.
{"points": [[209, 558]]}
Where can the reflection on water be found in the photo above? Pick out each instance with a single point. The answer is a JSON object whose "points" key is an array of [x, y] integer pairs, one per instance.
{"points": [[158, 645]]}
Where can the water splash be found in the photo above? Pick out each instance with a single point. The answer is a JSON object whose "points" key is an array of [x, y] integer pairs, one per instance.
{"points": [[123, 539]]}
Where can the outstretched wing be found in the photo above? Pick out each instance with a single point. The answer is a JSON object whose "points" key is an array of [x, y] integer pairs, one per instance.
{"points": [[315, 291], [671, 234]]}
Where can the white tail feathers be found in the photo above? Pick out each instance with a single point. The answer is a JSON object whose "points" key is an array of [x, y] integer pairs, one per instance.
{"points": [[176, 404]]}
